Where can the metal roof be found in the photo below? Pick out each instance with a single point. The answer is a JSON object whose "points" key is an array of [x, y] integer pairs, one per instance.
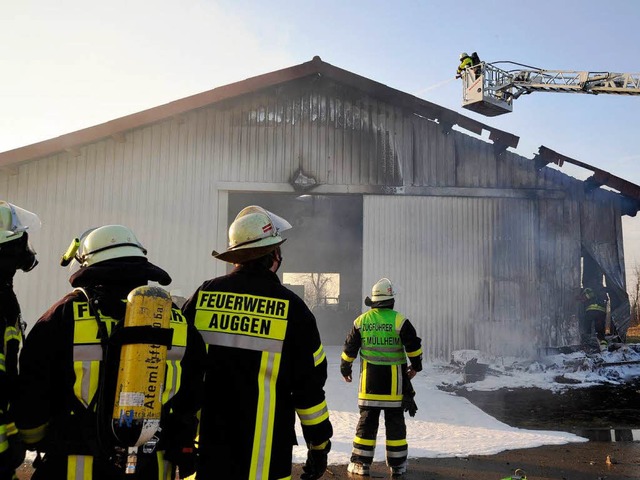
{"points": [[68, 142]]}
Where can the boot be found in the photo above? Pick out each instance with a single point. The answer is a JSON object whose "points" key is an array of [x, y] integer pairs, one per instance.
{"points": [[359, 468], [399, 469]]}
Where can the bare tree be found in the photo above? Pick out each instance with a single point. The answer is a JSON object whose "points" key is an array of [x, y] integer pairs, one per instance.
{"points": [[316, 288]]}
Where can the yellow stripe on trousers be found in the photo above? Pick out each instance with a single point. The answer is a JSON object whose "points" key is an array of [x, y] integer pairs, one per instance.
{"points": [[265, 416]]}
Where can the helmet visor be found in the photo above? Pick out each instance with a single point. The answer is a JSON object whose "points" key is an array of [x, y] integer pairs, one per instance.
{"points": [[23, 220], [278, 222]]}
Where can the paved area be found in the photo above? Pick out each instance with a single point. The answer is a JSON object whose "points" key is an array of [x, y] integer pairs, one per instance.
{"points": [[581, 461]]}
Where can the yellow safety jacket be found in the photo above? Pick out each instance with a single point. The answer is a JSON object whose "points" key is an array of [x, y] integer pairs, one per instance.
{"points": [[384, 338], [466, 62]]}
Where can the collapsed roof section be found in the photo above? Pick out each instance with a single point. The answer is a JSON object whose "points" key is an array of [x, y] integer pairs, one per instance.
{"points": [[629, 191]]}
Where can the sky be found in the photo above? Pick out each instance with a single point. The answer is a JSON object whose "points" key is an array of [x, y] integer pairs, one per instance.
{"points": [[68, 65]]}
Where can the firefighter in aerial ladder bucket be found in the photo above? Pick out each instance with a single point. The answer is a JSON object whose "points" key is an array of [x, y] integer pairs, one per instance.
{"points": [[467, 61], [16, 254], [265, 362], [80, 402], [384, 338]]}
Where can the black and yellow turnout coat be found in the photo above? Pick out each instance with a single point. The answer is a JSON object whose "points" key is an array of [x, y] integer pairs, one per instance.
{"points": [[265, 363], [60, 370]]}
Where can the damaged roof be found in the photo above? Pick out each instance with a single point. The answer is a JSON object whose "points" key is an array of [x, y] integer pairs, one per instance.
{"points": [[316, 67]]}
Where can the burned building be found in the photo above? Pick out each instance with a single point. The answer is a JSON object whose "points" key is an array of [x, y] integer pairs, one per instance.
{"points": [[487, 248]]}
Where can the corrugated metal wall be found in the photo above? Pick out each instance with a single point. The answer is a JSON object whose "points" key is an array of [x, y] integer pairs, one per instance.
{"points": [[466, 268], [480, 225]]}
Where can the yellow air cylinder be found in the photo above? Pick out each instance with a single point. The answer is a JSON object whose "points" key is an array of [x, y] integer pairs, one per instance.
{"points": [[141, 371]]}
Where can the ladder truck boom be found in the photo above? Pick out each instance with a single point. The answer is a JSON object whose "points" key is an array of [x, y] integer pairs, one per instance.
{"points": [[490, 90]]}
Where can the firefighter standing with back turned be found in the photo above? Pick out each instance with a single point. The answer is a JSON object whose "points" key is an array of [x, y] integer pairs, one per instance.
{"points": [[265, 362], [385, 338], [15, 254], [69, 366]]}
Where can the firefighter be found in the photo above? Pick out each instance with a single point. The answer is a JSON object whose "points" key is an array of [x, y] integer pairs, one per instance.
{"points": [[465, 61], [16, 254], [595, 302], [67, 382], [384, 338], [265, 362]]}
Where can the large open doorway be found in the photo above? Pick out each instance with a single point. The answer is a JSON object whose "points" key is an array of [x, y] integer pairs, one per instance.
{"points": [[322, 255]]}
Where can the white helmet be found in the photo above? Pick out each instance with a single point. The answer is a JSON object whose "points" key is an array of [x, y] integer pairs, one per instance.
{"points": [[254, 233], [107, 243], [14, 221], [463, 54], [382, 290]]}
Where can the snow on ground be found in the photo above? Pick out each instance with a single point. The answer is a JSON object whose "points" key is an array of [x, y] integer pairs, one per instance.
{"points": [[553, 372], [447, 425]]}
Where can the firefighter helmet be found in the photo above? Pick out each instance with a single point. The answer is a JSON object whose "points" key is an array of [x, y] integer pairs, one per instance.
{"points": [[254, 233], [382, 290], [588, 293], [107, 243], [14, 221], [463, 55]]}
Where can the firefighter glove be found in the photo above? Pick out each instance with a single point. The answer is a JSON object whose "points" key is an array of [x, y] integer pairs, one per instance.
{"points": [[409, 404], [316, 463], [186, 459], [345, 368], [180, 448]]}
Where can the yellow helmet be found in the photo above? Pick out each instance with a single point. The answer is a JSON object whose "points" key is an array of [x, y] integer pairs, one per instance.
{"points": [[107, 243], [382, 290], [14, 221], [254, 233]]}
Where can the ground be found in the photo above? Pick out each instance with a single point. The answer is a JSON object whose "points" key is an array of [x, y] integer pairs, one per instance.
{"points": [[580, 410], [576, 461], [609, 415]]}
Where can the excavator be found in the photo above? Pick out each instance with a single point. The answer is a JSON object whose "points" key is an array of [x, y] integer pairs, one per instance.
{"points": [[490, 90]]}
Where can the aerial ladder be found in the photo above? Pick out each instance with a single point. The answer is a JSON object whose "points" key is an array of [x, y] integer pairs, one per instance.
{"points": [[490, 90]]}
